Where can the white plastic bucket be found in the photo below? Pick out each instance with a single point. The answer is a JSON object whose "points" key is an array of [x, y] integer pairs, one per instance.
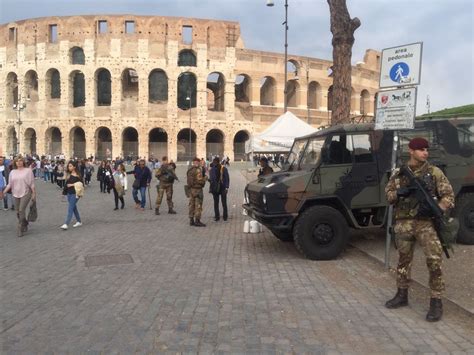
{"points": [[254, 228], [246, 226]]}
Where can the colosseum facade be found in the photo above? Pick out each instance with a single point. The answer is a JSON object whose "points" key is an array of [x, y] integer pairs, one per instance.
{"points": [[146, 85]]}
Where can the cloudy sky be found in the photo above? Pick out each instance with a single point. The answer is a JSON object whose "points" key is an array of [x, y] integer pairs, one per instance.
{"points": [[446, 28]]}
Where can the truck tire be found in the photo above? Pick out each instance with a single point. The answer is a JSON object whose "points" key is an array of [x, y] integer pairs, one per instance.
{"points": [[321, 233], [283, 236], [464, 210]]}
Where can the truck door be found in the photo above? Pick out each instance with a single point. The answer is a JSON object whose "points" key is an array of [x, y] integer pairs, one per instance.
{"points": [[349, 170]]}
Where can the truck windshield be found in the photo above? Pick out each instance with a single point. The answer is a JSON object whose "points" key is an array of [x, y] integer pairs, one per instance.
{"points": [[312, 153], [295, 154]]}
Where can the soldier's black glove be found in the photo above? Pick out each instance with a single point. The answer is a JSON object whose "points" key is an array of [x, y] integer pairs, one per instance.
{"points": [[405, 191]]}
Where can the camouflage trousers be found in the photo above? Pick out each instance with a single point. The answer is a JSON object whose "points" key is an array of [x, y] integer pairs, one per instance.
{"points": [[195, 203], [162, 188], [407, 232]]}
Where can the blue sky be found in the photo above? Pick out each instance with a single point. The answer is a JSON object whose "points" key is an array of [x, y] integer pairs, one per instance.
{"points": [[446, 28]]}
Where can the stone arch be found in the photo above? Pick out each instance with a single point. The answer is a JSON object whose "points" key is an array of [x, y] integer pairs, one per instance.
{"points": [[103, 143], [30, 141], [364, 102], [240, 138], [130, 142], [12, 89], [157, 143], [31, 86], [186, 150], [314, 95], [330, 99], [215, 143], [53, 84], [216, 84], [292, 67], [243, 88], [267, 91], [12, 141], [187, 58], [103, 87], [77, 89], [76, 55], [130, 84], [157, 86], [53, 141], [292, 93], [77, 141], [187, 89], [354, 100]]}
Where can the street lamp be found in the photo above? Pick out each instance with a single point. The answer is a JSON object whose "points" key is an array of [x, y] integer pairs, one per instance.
{"points": [[188, 98], [270, 4], [18, 107], [306, 67]]}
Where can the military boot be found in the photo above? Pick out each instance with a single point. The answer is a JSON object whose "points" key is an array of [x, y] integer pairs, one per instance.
{"points": [[191, 221], [157, 211], [400, 299], [171, 211], [198, 223], [436, 310]]}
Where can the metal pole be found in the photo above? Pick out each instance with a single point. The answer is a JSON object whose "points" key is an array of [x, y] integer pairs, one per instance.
{"points": [[286, 54], [190, 144], [307, 89]]}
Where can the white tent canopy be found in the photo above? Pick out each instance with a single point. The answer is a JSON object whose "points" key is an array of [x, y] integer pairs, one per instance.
{"points": [[279, 136]]}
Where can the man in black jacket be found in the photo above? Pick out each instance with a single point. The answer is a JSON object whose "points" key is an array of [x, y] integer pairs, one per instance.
{"points": [[219, 185]]}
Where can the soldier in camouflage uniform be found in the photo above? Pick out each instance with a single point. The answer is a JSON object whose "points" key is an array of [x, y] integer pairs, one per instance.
{"points": [[166, 176], [414, 223], [196, 181]]}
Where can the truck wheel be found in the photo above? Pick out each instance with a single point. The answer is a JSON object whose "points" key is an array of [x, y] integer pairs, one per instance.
{"points": [[464, 210], [321, 233], [283, 236]]}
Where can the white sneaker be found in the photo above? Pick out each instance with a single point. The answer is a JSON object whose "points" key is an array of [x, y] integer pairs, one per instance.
{"points": [[64, 226], [77, 224]]}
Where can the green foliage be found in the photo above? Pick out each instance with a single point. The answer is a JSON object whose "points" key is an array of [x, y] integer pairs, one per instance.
{"points": [[466, 110]]}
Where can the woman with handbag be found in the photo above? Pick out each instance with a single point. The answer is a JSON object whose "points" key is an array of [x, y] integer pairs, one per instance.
{"points": [[120, 186], [73, 176], [21, 182]]}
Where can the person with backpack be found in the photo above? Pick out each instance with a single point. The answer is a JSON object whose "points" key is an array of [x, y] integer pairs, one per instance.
{"points": [[219, 185], [120, 186]]}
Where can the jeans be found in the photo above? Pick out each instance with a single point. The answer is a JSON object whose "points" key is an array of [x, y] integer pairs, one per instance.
{"points": [[223, 195], [142, 202], [46, 175], [72, 208], [5, 200]]}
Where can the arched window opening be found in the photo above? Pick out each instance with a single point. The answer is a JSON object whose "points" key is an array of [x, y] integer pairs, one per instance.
{"points": [[78, 89], [157, 86], [130, 142], [314, 95], [267, 91], [216, 84], [364, 102], [187, 58], [12, 89], [104, 88], [239, 145], [187, 89], [330, 98], [157, 143], [186, 144], [214, 144], [292, 93], [31, 86], [77, 56], [242, 88], [130, 84]]}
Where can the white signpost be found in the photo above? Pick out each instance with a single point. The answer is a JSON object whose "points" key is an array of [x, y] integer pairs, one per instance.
{"points": [[401, 66], [395, 109]]}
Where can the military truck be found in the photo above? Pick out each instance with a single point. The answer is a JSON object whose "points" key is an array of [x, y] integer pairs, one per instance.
{"points": [[334, 180]]}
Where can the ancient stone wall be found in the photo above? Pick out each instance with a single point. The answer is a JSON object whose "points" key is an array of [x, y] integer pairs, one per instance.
{"points": [[112, 86]]}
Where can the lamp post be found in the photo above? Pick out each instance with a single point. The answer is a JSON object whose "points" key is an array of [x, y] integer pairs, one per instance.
{"points": [[188, 98], [306, 68], [270, 4], [18, 107]]}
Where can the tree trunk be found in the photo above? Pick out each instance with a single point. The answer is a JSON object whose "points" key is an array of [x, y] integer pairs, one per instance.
{"points": [[342, 28]]}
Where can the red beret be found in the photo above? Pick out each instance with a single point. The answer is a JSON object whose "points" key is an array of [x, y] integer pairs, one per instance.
{"points": [[418, 143], [196, 159]]}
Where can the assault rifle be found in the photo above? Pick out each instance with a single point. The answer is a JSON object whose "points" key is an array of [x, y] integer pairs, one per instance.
{"points": [[427, 202]]}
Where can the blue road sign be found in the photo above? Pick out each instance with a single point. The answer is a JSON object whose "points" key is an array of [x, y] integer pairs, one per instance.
{"points": [[399, 72]]}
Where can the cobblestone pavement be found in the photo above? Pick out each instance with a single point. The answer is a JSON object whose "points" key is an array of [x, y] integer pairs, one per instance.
{"points": [[189, 289]]}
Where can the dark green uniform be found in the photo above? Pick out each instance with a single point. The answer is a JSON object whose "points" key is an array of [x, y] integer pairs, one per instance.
{"points": [[196, 182], [166, 175]]}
